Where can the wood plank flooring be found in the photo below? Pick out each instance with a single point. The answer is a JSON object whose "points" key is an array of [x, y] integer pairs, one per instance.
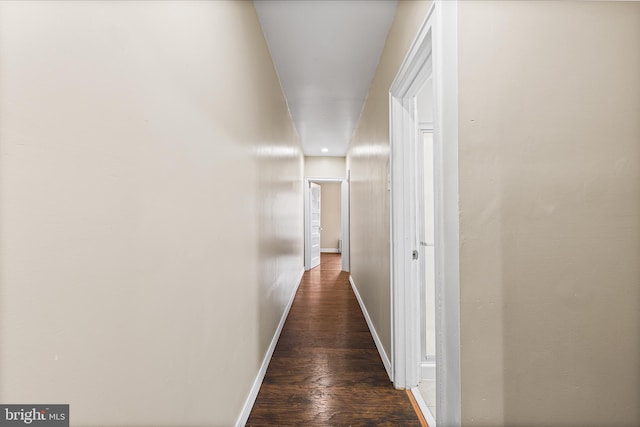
{"points": [[325, 370]]}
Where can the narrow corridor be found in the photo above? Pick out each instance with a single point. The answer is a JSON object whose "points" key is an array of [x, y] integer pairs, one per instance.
{"points": [[325, 370]]}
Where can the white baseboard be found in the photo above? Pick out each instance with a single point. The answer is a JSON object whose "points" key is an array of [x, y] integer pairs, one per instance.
{"points": [[257, 383], [330, 250], [428, 370], [426, 412], [383, 354]]}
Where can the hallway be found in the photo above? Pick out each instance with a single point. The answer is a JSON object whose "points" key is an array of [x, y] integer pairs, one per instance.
{"points": [[325, 369], [155, 161]]}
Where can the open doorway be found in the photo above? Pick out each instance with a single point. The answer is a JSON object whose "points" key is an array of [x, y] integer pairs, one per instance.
{"points": [[328, 233], [330, 212], [424, 193]]}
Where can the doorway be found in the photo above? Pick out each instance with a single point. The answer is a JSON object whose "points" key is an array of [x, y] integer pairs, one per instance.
{"points": [[426, 262], [315, 221], [430, 62], [313, 228]]}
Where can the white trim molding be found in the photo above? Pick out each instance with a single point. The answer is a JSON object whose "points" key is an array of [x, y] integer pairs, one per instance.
{"points": [[330, 250], [257, 383], [376, 339], [445, 73], [428, 370], [433, 53]]}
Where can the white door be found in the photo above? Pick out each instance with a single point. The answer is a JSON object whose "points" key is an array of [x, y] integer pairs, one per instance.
{"points": [[315, 225]]}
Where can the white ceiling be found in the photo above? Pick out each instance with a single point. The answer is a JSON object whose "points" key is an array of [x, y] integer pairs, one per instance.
{"points": [[325, 53]]}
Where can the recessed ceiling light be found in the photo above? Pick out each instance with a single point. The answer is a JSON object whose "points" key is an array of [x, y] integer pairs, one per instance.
{"points": [[325, 150]]}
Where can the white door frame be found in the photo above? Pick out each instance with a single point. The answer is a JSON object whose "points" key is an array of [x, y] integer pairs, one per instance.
{"points": [[433, 52], [344, 218]]}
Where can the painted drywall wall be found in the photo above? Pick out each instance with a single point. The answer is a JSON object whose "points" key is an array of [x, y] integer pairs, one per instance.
{"points": [[330, 215], [325, 167], [368, 161], [150, 208], [549, 155]]}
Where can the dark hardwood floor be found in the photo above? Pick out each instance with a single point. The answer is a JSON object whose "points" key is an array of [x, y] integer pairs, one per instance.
{"points": [[325, 370]]}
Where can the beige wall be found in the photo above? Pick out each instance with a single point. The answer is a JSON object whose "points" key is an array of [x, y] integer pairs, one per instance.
{"points": [[325, 167], [150, 208], [330, 215], [550, 213], [368, 160]]}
